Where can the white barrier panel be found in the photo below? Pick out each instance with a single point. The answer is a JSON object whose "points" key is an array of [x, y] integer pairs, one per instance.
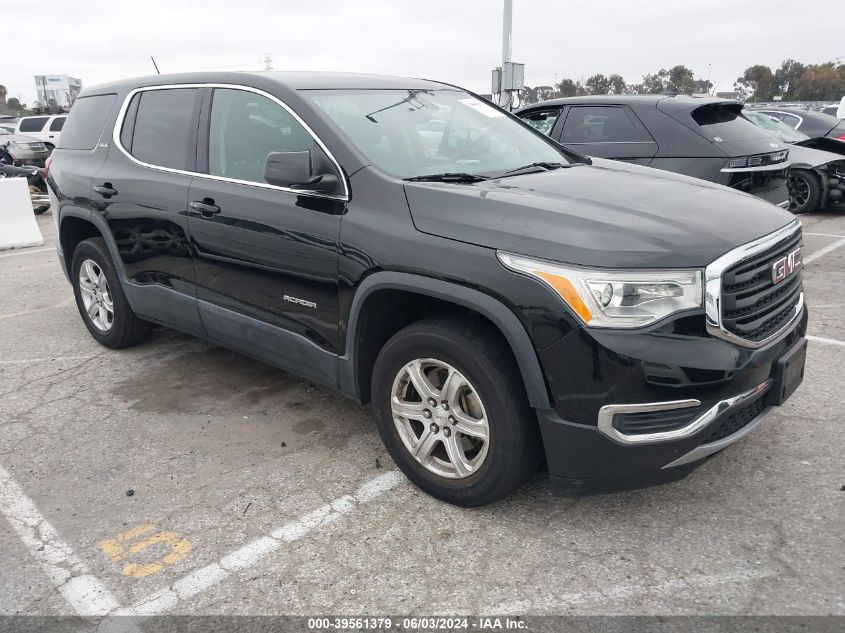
{"points": [[18, 227]]}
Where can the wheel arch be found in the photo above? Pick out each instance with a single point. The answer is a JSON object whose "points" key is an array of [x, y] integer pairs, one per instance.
{"points": [[451, 296], [76, 225]]}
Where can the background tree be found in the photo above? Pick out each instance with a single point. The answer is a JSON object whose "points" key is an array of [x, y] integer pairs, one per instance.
{"points": [[821, 82], [597, 85], [617, 84], [758, 82], [567, 88], [787, 77], [14, 106], [3, 94]]}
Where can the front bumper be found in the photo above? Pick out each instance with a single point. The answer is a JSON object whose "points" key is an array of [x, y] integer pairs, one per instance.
{"points": [[728, 391], [25, 157]]}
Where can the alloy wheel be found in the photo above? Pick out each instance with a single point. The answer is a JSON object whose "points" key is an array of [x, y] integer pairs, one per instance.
{"points": [[799, 192], [440, 418], [96, 296]]}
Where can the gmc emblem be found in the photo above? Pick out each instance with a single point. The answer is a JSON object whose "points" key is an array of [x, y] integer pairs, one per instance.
{"points": [[785, 266]]}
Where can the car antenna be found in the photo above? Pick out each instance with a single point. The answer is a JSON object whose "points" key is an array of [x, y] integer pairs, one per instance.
{"points": [[158, 72]]}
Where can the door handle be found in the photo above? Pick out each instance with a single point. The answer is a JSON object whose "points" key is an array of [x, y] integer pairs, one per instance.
{"points": [[206, 207], [105, 190]]}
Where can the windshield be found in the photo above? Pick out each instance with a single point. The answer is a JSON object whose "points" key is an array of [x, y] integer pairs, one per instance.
{"points": [[414, 133], [776, 127]]}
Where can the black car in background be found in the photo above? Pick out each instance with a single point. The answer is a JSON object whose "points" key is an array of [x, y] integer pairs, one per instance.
{"points": [[813, 124], [498, 299], [697, 136], [817, 165]]}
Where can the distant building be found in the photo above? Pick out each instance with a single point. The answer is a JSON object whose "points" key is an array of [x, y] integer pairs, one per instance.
{"points": [[730, 95], [59, 88]]}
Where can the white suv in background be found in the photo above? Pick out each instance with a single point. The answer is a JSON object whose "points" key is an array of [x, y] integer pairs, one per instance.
{"points": [[44, 127]]}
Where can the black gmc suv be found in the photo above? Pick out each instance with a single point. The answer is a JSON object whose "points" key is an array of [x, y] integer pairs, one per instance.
{"points": [[498, 298]]}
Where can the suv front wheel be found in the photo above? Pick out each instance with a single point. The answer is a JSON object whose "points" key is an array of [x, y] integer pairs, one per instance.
{"points": [[452, 411], [100, 298]]}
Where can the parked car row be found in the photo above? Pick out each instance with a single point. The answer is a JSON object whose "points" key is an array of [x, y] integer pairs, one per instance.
{"points": [[500, 298], [706, 138]]}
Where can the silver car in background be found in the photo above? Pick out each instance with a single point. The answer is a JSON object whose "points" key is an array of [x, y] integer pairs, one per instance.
{"points": [[17, 149]]}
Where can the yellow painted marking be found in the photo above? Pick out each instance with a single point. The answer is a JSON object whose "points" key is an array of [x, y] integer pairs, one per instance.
{"points": [[116, 551]]}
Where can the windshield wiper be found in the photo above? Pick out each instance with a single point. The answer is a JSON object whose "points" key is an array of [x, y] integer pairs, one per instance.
{"points": [[534, 166], [448, 177]]}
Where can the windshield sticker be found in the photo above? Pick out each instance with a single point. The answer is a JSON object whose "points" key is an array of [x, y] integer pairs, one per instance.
{"points": [[483, 108]]}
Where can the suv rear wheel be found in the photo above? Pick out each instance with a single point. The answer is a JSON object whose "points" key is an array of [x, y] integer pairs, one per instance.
{"points": [[452, 411], [100, 298]]}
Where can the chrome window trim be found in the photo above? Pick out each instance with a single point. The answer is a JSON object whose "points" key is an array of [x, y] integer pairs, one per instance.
{"points": [[614, 143], [118, 126], [713, 287], [607, 412]]}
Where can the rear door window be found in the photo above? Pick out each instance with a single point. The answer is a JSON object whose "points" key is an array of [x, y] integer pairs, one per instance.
{"points": [[33, 124], [602, 124], [86, 121], [57, 124], [161, 135]]}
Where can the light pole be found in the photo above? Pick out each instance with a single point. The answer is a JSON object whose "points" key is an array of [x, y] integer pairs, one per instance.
{"points": [[507, 28]]}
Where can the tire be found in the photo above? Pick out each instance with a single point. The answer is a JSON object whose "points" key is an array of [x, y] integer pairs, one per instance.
{"points": [[40, 210], [805, 191], [6, 159], [124, 328], [486, 389]]}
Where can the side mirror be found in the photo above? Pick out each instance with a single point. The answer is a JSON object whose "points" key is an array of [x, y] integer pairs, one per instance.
{"points": [[294, 171], [285, 169]]}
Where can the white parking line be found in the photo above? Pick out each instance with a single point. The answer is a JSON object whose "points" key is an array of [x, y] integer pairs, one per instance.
{"points": [[823, 234], [824, 251], [28, 252], [82, 591], [826, 341], [555, 602], [43, 359], [254, 552]]}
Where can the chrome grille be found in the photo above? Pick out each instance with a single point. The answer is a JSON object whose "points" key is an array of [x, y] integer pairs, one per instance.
{"points": [[744, 302], [753, 306]]}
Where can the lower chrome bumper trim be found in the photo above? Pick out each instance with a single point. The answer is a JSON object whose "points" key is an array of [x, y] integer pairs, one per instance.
{"points": [[708, 449]]}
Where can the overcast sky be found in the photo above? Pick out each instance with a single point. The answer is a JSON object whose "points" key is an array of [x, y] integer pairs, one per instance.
{"points": [[457, 41]]}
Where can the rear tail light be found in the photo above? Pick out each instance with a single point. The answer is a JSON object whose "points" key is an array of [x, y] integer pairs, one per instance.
{"points": [[47, 167], [841, 137]]}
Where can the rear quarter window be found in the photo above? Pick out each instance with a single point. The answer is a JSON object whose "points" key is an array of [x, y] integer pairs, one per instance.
{"points": [[58, 124], [86, 121], [33, 124]]}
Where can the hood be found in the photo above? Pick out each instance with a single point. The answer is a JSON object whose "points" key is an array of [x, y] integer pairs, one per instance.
{"points": [[804, 156], [608, 214]]}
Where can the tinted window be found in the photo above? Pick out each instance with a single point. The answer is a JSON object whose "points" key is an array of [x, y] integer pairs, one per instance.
{"points": [[244, 128], [86, 121], [543, 121], [33, 124], [791, 120], [57, 124], [601, 124], [162, 127]]}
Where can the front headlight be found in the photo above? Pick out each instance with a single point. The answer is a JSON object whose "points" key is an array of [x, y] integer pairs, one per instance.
{"points": [[615, 298]]}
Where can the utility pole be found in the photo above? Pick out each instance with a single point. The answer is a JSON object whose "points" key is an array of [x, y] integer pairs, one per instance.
{"points": [[507, 49], [268, 61]]}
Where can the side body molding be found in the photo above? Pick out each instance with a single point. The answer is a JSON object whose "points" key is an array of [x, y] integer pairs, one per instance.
{"points": [[495, 311]]}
